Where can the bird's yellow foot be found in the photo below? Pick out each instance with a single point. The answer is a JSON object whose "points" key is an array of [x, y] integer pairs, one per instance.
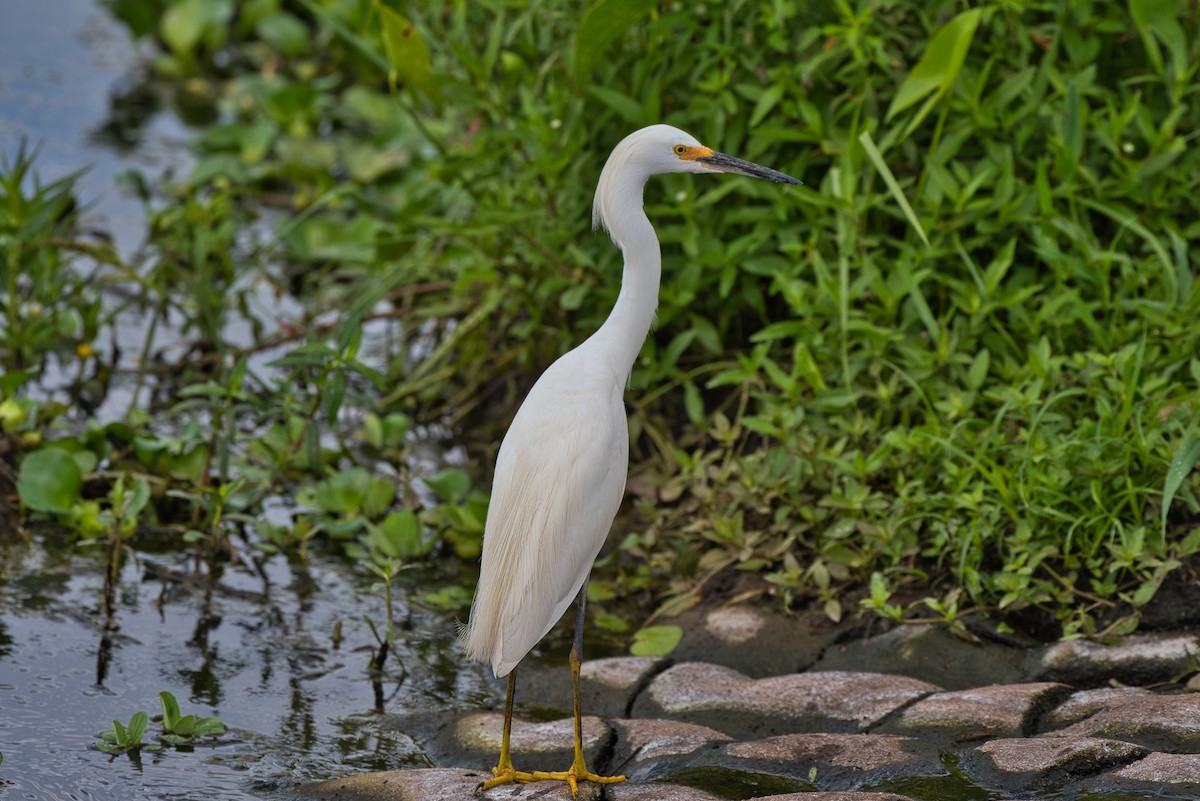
{"points": [[506, 775], [572, 777], [575, 774]]}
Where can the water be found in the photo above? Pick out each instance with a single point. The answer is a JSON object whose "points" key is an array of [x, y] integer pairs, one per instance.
{"points": [[257, 652]]}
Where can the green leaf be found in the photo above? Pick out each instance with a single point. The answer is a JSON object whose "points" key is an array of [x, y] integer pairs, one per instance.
{"points": [[170, 708], [1185, 460], [399, 535], [939, 64], [137, 727], [893, 186], [49, 481], [656, 640], [185, 23], [451, 484], [601, 24], [408, 55]]}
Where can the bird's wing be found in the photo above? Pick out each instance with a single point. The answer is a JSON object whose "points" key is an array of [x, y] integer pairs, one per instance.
{"points": [[560, 475]]}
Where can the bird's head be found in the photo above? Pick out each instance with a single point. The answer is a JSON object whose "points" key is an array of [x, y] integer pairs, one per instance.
{"points": [[660, 149]]}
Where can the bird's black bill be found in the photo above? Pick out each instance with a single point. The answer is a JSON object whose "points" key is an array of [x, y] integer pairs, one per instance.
{"points": [[722, 163]]}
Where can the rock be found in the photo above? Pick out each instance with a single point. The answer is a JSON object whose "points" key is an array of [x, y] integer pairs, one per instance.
{"points": [[930, 653], [1086, 703], [642, 743], [435, 784], [1005, 710], [831, 761], [749, 639], [606, 686], [535, 746], [657, 791], [844, 796], [1160, 774], [1137, 659], [742, 707], [1046, 762], [1159, 722]]}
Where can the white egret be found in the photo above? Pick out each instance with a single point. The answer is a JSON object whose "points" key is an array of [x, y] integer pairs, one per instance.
{"points": [[561, 469]]}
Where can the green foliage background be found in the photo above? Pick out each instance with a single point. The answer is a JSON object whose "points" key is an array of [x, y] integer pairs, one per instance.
{"points": [[1003, 418]]}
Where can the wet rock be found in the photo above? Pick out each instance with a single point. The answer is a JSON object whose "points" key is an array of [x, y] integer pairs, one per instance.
{"points": [[831, 761], [673, 792], [749, 640], [657, 791], [606, 686], [1046, 762], [1161, 774], [535, 746], [643, 743], [742, 707], [930, 653], [1005, 710], [434, 784], [1137, 659], [1086, 703], [1159, 722], [849, 795]]}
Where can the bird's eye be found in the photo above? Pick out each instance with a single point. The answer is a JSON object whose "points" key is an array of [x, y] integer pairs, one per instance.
{"points": [[680, 150]]}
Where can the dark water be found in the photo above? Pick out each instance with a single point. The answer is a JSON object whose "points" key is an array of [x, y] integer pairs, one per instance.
{"points": [[257, 652]]}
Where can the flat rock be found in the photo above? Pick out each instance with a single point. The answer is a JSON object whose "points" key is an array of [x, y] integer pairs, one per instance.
{"points": [[1085, 703], [1003, 710], [748, 639], [830, 761], [535, 746], [729, 701], [1136, 659], [658, 791], [848, 795], [1046, 762], [1159, 773], [1159, 722], [606, 686], [930, 653], [642, 743], [435, 784]]}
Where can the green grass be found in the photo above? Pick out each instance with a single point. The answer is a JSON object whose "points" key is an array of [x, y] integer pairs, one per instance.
{"points": [[955, 373]]}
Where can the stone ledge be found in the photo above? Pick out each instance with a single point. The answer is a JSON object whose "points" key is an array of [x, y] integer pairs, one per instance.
{"points": [[730, 702]]}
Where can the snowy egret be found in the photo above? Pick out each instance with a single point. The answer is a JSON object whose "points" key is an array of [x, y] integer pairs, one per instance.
{"points": [[561, 470]]}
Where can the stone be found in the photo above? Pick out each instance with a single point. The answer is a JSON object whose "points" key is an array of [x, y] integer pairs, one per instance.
{"points": [[1161, 774], [1004, 710], [831, 761], [657, 791], [930, 653], [849, 795], [606, 686], [750, 639], [731, 702], [1159, 722], [641, 743], [435, 784], [1136, 659], [1046, 762], [535, 746], [1085, 703]]}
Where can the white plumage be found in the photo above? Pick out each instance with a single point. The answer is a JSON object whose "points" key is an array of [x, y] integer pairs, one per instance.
{"points": [[561, 470]]}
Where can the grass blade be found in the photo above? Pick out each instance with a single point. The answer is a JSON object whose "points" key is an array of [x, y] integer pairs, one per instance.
{"points": [[1185, 459], [893, 186]]}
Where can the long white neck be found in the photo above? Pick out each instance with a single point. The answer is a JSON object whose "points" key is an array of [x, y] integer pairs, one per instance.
{"points": [[619, 340]]}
